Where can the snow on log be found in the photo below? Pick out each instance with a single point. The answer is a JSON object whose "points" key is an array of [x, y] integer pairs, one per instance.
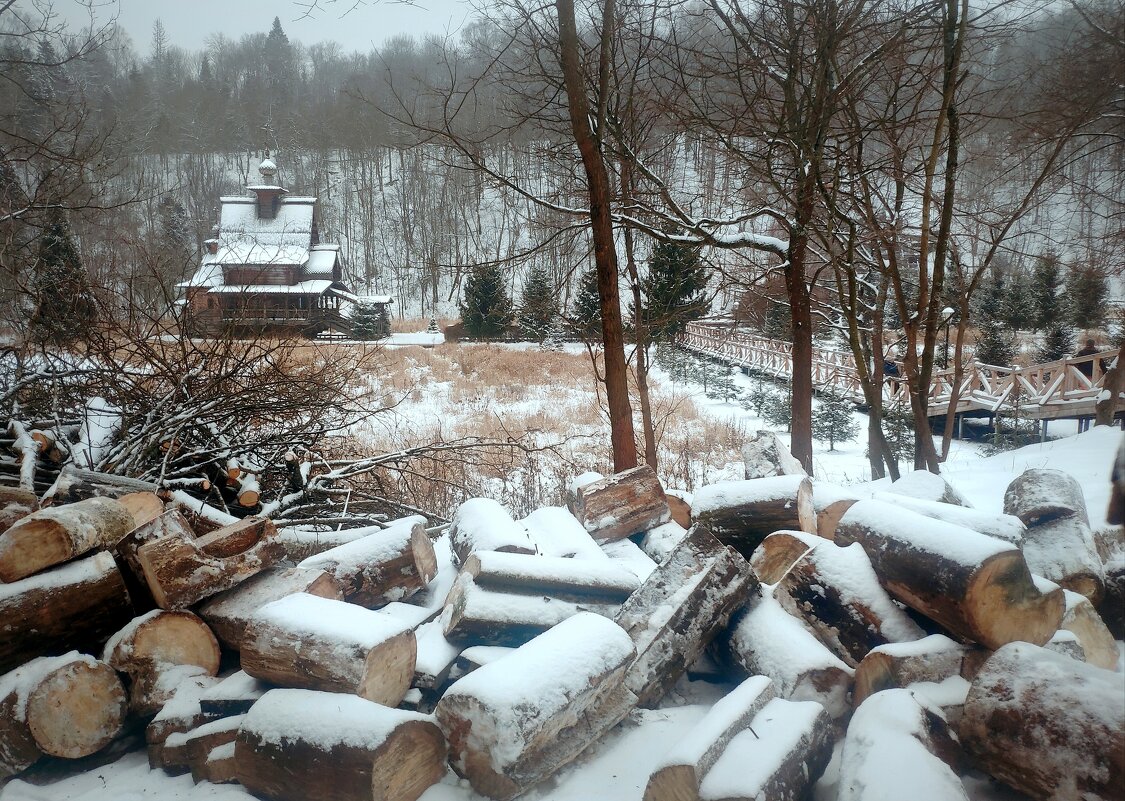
{"points": [[57, 534], [75, 484], [300, 542], [764, 456], [163, 638], [15, 504], [976, 586], [153, 686], [229, 612], [679, 609], [1047, 725], [218, 767], [183, 751], [436, 656], [77, 605], [568, 579], [679, 772], [618, 506], [234, 695], [514, 722], [629, 556], [1042, 494], [743, 513], [319, 644], [927, 486], [1083, 621], [897, 748], [65, 706], [302, 745], [659, 542], [836, 592], [386, 566], [765, 640], [180, 570], [556, 532], [933, 659], [170, 523], [1001, 526], [181, 713], [780, 756], [778, 552], [1062, 549], [481, 524], [829, 504]]}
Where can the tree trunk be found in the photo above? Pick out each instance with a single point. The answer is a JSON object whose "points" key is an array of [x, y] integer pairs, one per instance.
{"points": [[59, 533], [622, 437], [931, 659], [618, 506], [743, 513], [372, 753], [800, 306]]}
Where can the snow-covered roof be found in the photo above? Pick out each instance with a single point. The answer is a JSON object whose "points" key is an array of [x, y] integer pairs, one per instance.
{"points": [[321, 262], [209, 273], [249, 252], [247, 239], [312, 287], [351, 298]]}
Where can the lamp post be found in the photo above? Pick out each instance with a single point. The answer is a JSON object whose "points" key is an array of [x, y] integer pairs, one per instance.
{"points": [[948, 313]]}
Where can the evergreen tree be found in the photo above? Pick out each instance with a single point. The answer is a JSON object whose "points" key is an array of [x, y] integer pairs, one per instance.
{"points": [[719, 382], [553, 341], [1087, 297], [996, 343], [486, 309], [1057, 344], [537, 305], [673, 291], [370, 321], [586, 317], [1046, 281], [778, 323], [1018, 308], [834, 422], [64, 304]]}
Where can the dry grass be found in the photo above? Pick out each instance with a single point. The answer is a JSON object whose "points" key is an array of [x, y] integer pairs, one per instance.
{"points": [[549, 401]]}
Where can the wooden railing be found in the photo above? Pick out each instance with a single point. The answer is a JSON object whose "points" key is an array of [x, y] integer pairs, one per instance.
{"points": [[1055, 389]]}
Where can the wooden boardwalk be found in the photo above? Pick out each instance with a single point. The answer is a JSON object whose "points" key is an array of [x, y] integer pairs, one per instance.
{"points": [[1051, 391]]}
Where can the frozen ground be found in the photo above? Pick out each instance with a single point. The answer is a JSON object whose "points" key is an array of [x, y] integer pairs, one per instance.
{"points": [[618, 767]]}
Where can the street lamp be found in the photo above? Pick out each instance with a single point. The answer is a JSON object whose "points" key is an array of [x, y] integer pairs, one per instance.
{"points": [[948, 313]]}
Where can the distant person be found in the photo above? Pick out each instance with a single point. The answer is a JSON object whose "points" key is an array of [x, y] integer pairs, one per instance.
{"points": [[1087, 368], [890, 368]]}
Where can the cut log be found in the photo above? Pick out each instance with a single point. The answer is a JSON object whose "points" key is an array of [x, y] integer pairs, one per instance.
{"points": [[52, 536], [765, 457], [659, 542], [1002, 526], [932, 659], [618, 506], [181, 571], [556, 532], [1083, 621], [66, 706], [513, 723], [678, 774], [576, 483], [436, 657], [927, 486], [284, 750], [234, 695], [153, 686], [481, 524], [218, 767], [829, 504], [780, 756], [743, 513], [169, 524], [679, 609], [1062, 549], [897, 748], [1047, 725], [143, 506], [229, 612], [161, 637], [765, 640], [836, 592], [183, 751], [318, 644], [976, 586], [77, 605], [300, 543], [76, 484], [181, 713], [1039, 495], [386, 566], [679, 505], [249, 490], [568, 579], [15, 504], [777, 554]]}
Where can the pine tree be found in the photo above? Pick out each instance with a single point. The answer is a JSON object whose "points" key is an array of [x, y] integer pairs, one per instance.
{"points": [[64, 304], [370, 321], [673, 291], [1045, 284], [1087, 297], [778, 321], [996, 344], [586, 317], [834, 422], [486, 310], [1018, 308], [719, 382], [537, 305], [553, 340], [1057, 344]]}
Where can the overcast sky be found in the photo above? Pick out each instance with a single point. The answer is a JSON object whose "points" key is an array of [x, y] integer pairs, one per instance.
{"points": [[355, 24]]}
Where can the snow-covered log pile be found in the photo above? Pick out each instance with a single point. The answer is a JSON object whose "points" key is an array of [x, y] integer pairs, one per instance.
{"points": [[502, 650]]}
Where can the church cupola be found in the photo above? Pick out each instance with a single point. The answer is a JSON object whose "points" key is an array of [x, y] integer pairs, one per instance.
{"points": [[268, 192]]}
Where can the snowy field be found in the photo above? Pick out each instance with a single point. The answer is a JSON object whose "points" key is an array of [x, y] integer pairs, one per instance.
{"points": [[617, 768]]}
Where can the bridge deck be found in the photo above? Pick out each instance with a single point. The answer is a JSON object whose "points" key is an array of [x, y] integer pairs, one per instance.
{"points": [[1067, 388]]}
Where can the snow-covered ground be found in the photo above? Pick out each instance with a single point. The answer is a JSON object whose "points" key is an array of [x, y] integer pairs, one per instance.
{"points": [[617, 768]]}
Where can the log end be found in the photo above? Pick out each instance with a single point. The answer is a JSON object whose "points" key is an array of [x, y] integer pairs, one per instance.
{"points": [[409, 762], [389, 670], [1003, 605], [77, 710]]}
